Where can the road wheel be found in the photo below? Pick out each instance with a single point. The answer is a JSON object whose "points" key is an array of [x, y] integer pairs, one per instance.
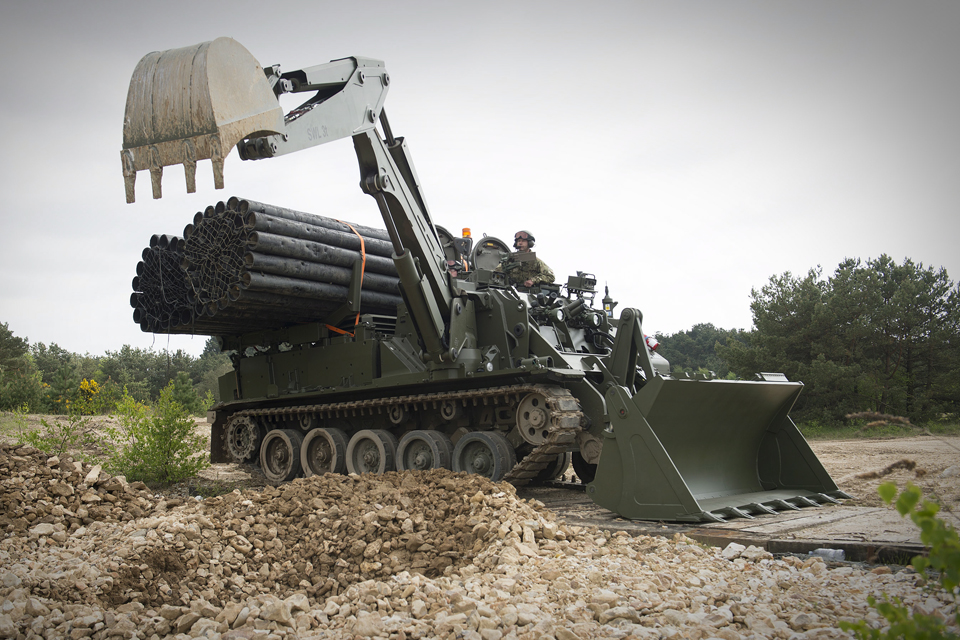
{"points": [[553, 470], [585, 471], [485, 453], [280, 455], [420, 450], [372, 451], [324, 451]]}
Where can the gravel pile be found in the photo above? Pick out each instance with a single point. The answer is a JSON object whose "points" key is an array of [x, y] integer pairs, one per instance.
{"points": [[411, 555]]}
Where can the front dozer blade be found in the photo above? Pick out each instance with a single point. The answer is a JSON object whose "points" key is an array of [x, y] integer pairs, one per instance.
{"points": [[705, 450], [192, 104]]}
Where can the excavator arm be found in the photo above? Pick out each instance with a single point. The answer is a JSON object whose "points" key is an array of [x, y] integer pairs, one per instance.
{"points": [[195, 103]]}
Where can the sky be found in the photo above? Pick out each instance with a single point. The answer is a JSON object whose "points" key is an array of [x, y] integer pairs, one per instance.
{"points": [[683, 152]]}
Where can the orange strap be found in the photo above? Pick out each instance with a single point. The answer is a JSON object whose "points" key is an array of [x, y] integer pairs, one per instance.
{"points": [[363, 267]]}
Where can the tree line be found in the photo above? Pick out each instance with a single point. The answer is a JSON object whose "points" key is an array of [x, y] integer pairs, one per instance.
{"points": [[50, 379], [875, 336]]}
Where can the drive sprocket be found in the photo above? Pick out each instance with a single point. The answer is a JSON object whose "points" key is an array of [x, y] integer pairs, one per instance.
{"points": [[242, 437]]}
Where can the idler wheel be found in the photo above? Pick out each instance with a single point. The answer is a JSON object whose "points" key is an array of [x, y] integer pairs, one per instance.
{"points": [[280, 455], [485, 453], [324, 451], [421, 450]]}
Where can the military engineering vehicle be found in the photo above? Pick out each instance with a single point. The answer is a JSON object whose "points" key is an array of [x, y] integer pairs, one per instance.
{"points": [[459, 369]]}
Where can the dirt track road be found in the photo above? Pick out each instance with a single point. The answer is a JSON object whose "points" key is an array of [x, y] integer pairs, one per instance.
{"points": [[860, 466]]}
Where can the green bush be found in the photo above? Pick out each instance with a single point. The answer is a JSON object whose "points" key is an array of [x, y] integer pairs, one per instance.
{"points": [[58, 437], [942, 563], [159, 446]]}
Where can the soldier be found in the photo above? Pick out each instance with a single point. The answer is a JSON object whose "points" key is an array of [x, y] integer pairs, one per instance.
{"points": [[527, 273]]}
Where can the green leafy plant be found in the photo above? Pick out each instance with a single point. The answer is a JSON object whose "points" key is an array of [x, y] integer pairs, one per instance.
{"points": [[941, 566], [208, 400], [72, 433], [158, 446]]}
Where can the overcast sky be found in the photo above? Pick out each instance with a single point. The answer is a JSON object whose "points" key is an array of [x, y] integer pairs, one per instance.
{"points": [[684, 152]]}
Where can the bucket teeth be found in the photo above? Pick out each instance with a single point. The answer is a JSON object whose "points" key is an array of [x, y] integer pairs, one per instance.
{"points": [[129, 175], [761, 508], [710, 516], [783, 504], [740, 513], [190, 165]]}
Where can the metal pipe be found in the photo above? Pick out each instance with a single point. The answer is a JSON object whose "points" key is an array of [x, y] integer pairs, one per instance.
{"points": [[273, 244], [244, 206], [318, 290], [280, 266], [256, 221]]}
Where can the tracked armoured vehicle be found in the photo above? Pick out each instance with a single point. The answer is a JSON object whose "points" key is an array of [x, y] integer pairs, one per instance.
{"points": [[460, 369]]}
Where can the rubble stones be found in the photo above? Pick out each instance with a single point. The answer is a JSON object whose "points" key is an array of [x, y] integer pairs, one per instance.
{"points": [[404, 556]]}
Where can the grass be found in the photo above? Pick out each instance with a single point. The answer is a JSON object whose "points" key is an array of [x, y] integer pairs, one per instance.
{"points": [[9, 423], [14, 423]]}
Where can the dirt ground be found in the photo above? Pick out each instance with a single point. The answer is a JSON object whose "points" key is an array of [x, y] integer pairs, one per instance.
{"points": [[860, 466]]}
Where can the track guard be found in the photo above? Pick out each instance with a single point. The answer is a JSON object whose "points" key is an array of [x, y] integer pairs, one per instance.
{"points": [[691, 451]]}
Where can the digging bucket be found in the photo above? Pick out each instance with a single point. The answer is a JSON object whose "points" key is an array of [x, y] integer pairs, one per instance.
{"points": [[705, 450], [194, 103]]}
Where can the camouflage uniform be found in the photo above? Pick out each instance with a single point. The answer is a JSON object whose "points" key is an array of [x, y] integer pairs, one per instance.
{"points": [[535, 270]]}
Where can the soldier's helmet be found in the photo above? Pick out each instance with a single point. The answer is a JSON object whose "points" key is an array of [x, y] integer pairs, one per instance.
{"points": [[525, 235]]}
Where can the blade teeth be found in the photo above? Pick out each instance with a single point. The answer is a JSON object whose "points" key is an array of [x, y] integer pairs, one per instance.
{"points": [[762, 508], [786, 505]]}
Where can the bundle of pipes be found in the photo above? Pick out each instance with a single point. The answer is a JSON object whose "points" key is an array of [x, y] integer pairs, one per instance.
{"points": [[245, 266], [160, 298]]}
